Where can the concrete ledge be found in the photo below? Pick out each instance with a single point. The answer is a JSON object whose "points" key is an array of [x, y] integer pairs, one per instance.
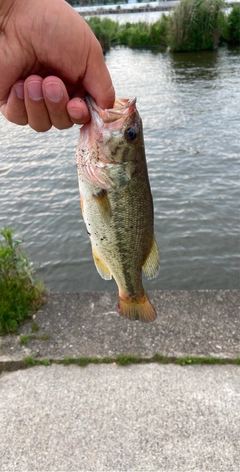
{"points": [[86, 324]]}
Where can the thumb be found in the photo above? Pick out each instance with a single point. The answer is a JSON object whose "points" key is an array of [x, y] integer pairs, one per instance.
{"points": [[97, 80]]}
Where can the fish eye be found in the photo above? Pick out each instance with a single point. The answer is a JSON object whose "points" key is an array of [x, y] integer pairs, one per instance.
{"points": [[131, 133]]}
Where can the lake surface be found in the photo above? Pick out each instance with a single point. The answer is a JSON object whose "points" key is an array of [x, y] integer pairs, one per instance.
{"points": [[128, 16], [134, 17], [190, 106]]}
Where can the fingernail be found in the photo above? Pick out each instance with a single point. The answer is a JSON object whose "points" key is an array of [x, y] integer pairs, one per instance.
{"points": [[76, 114], [54, 91], [35, 90], [19, 90]]}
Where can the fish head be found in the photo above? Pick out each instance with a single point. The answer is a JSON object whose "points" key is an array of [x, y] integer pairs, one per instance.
{"points": [[111, 147], [113, 135]]}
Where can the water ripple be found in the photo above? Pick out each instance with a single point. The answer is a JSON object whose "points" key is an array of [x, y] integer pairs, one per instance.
{"points": [[190, 108]]}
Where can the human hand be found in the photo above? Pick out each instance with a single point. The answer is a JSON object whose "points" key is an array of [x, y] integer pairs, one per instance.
{"points": [[49, 59]]}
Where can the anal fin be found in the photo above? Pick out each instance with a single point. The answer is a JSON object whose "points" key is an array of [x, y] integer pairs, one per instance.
{"points": [[151, 265], [101, 267]]}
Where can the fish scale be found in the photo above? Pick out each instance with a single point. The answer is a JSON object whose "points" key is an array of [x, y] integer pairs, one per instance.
{"points": [[117, 204]]}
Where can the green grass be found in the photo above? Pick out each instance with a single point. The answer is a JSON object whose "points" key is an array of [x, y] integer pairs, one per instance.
{"points": [[29, 361], [124, 360], [192, 24], [46, 362], [35, 327], [24, 338], [21, 293], [205, 361]]}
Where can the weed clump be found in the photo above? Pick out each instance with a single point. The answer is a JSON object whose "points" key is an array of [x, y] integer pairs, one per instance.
{"points": [[105, 30], [133, 35], [192, 24], [20, 292], [233, 25]]}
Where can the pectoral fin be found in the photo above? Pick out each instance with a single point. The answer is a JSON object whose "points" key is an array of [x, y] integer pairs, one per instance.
{"points": [[103, 205], [102, 269], [151, 265]]}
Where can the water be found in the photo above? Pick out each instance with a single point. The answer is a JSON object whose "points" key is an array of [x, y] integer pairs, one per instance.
{"points": [[122, 18], [190, 106], [132, 17]]}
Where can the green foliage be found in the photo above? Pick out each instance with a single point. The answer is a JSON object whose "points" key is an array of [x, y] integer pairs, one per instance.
{"points": [[24, 338], [233, 25], [126, 359], [68, 361], [129, 359], [105, 30], [192, 24], [160, 31], [107, 360], [46, 362], [83, 361], [133, 35], [141, 35], [223, 26], [201, 360], [161, 359], [29, 361], [35, 327], [21, 294]]}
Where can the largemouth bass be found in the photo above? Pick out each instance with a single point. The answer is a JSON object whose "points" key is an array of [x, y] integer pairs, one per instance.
{"points": [[117, 204]]}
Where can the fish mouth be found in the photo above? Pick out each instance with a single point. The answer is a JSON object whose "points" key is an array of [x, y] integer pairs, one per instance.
{"points": [[122, 107]]}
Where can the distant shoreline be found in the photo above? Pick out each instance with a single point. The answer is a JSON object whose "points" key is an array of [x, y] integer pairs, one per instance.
{"points": [[127, 8], [166, 5], [122, 11]]}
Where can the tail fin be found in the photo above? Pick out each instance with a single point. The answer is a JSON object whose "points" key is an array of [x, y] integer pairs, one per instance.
{"points": [[137, 308]]}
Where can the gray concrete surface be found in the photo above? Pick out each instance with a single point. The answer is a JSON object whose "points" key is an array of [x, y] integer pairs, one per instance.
{"points": [[146, 417], [106, 417], [195, 323]]}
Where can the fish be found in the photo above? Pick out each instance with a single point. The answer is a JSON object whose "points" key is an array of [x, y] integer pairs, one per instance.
{"points": [[117, 204]]}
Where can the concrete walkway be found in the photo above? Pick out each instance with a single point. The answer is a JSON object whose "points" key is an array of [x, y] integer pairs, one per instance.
{"points": [[149, 417]]}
